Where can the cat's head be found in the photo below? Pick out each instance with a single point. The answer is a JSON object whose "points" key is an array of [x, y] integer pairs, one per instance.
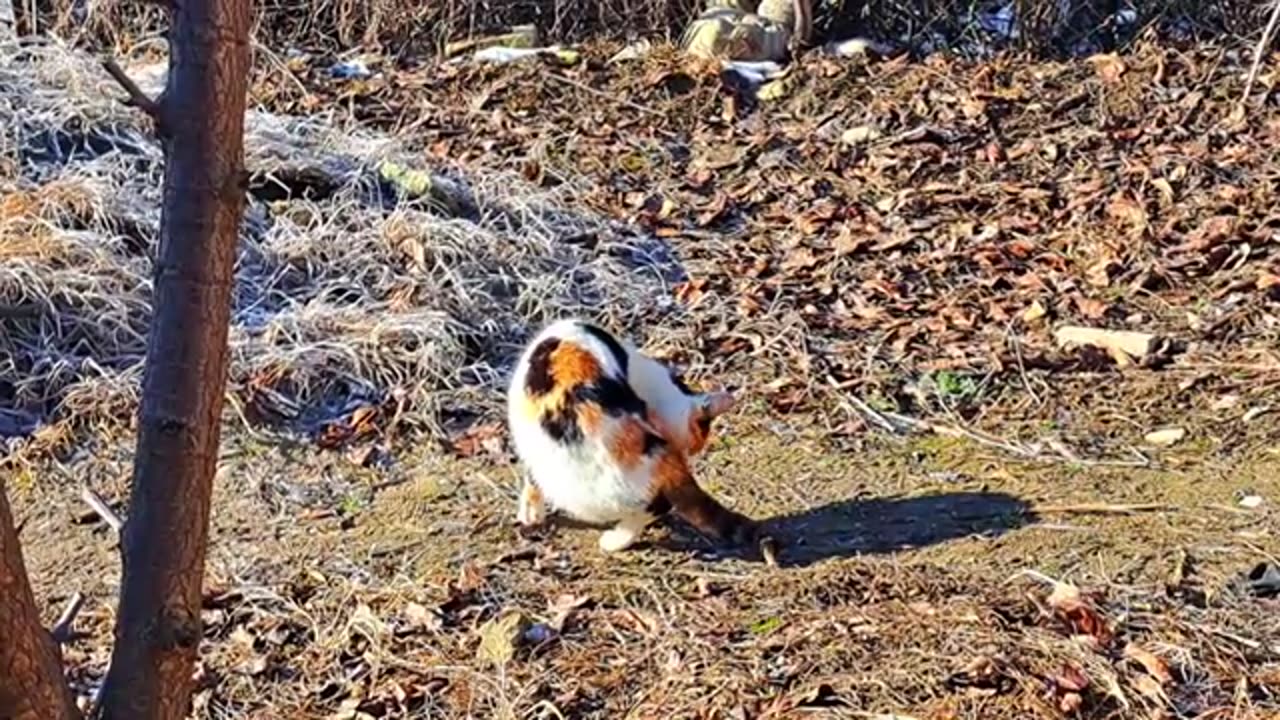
{"points": [[705, 408]]}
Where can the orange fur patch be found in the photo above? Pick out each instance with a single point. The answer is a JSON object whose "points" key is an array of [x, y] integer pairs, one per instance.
{"points": [[675, 482], [590, 418], [626, 445], [531, 494], [671, 471], [571, 365], [697, 438]]}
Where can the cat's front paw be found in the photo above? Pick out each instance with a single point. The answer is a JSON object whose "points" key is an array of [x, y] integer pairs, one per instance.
{"points": [[618, 539], [531, 514], [532, 511]]}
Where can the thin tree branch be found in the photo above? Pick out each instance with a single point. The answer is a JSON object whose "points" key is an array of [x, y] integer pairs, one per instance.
{"points": [[64, 630], [1258, 51], [137, 98], [104, 511]]}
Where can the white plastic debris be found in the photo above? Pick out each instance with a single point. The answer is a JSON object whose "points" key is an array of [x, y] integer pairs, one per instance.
{"points": [[754, 71], [350, 70]]}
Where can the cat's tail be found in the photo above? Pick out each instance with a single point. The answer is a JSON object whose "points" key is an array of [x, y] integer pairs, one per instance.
{"points": [[680, 491]]}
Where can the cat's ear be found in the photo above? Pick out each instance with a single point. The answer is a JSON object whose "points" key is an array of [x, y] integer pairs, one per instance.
{"points": [[716, 404]]}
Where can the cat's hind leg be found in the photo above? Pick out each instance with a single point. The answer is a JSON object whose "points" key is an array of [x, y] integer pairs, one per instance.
{"points": [[625, 533], [532, 510]]}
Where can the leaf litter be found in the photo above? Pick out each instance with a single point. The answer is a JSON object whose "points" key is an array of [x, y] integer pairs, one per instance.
{"points": [[907, 235]]}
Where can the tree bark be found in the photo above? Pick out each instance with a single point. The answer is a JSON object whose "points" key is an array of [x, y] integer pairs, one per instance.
{"points": [[31, 683], [200, 118]]}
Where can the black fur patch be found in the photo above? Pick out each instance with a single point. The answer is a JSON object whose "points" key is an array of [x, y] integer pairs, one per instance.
{"points": [[618, 352], [653, 443], [704, 424], [562, 425], [614, 397], [538, 379], [658, 506]]}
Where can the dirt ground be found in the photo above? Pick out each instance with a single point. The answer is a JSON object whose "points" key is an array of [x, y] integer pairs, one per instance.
{"points": [[972, 521], [897, 588]]}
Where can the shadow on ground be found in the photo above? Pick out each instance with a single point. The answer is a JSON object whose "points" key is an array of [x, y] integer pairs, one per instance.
{"points": [[880, 525]]}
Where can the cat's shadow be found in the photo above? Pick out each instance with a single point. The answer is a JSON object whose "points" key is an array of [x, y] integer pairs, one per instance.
{"points": [[871, 526]]}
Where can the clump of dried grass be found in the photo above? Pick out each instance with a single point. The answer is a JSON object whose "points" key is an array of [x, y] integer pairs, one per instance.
{"points": [[353, 297]]}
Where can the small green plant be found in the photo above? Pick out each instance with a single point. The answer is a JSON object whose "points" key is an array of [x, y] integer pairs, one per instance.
{"points": [[350, 505], [955, 386], [765, 626], [878, 401]]}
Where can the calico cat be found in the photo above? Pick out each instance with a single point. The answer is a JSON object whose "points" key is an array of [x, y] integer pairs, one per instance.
{"points": [[606, 434]]}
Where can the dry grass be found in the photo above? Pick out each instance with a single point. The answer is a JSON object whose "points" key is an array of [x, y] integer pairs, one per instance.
{"points": [[353, 298], [905, 597]]}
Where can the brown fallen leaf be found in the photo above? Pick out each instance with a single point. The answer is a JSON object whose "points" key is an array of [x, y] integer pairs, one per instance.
{"points": [[1109, 66], [984, 675], [1151, 688], [418, 617], [470, 577], [1071, 678], [689, 292], [564, 606], [1079, 613], [483, 438], [1129, 211], [1153, 663], [360, 424], [1090, 308], [799, 259], [638, 621], [1267, 281]]}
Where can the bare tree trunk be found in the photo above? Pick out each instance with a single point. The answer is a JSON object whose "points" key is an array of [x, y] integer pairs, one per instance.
{"points": [[31, 683], [200, 117]]}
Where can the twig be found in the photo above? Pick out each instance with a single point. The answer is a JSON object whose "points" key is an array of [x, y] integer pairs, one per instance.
{"points": [[1243, 367], [1034, 575], [978, 437], [871, 413], [605, 95], [1251, 644], [1103, 508], [1022, 367], [63, 631], [25, 310], [1017, 449], [104, 511], [1263, 42], [137, 98]]}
